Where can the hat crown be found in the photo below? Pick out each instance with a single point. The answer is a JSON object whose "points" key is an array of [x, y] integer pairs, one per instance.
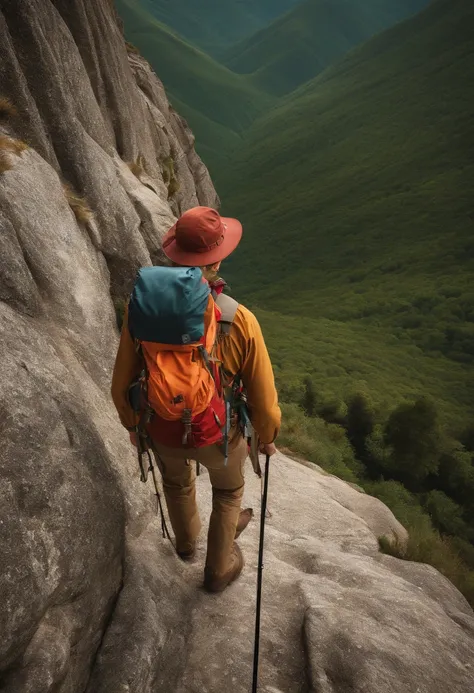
{"points": [[199, 230]]}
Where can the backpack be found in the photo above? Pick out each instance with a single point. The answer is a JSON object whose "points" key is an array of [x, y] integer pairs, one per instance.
{"points": [[176, 322]]}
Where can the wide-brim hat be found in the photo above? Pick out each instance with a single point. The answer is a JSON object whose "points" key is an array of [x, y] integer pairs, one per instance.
{"points": [[202, 237]]}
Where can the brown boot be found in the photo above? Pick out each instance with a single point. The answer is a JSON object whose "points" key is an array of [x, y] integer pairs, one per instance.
{"points": [[188, 553], [213, 583], [244, 518]]}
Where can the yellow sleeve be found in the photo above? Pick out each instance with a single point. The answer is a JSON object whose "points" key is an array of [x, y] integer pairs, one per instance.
{"points": [[245, 352], [127, 367]]}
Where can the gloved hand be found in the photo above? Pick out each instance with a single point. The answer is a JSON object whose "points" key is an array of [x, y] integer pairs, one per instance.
{"points": [[268, 449]]}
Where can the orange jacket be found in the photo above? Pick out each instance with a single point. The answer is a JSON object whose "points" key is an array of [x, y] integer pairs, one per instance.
{"points": [[243, 351]]}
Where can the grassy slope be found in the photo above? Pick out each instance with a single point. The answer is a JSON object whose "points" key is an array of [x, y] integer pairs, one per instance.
{"points": [[299, 45], [356, 196], [214, 23], [342, 358], [218, 103]]}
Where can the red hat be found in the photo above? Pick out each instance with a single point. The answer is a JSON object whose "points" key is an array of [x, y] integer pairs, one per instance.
{"points": [[201, 237]]}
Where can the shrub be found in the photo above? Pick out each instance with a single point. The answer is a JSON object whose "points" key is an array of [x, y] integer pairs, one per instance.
{"points": [[308, 401], [169, 176], [7, 109], [376, 451], [79, 206], [449, 555], [9, 147], [9, 144], [321, 443], [467, 438], [328, 446], [119, 305], [173, 187], [331, 410], [403, 504], [464, 549], [456, 474], [137, 167], [425, 545], [6, 162], [413, 434], [446, 514], [167, 169]]}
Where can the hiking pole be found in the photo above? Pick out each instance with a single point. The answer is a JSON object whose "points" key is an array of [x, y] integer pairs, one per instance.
{"points": [[260, 576]]}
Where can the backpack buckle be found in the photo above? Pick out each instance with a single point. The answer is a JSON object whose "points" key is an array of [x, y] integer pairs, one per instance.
{"points": [[187, 418]]}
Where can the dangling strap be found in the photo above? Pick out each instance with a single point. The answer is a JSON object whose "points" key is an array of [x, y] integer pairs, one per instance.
{"points": [[227, 431], [144, 477], [164, 526], [140, 440]]}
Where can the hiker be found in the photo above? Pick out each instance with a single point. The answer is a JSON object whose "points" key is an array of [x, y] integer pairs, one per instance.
{"points": [[201, 238]]}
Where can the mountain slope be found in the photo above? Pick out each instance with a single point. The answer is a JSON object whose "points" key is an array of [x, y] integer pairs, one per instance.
{"points": [[213, 23], [356, 194], [299, 45], [216, 100]]}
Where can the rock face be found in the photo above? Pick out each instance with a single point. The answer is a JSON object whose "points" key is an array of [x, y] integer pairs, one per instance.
{"points": [[337, 616], [89, 109], [92, 599]]}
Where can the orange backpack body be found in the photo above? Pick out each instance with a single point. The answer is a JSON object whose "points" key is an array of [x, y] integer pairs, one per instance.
{"points": [[182, 393]]}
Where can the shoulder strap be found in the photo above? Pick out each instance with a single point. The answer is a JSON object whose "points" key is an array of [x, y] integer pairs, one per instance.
{"points": [[228, 307]]}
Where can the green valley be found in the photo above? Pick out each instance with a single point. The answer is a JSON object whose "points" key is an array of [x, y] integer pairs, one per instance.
{"points": [[356, 192], [215, 24], [219, 104], [302, 43]]}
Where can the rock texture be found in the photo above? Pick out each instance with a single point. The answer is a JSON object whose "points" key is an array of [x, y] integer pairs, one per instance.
{"points": [[89, 109], [338, 616], [92, 599]]}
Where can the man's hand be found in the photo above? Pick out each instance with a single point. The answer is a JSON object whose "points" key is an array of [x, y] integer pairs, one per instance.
{"points": [[268, 449]]}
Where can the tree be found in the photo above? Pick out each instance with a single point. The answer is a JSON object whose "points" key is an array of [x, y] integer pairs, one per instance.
{"points": [[456, 475], [376, 461], [446, 515], [332, 411], [308, 401], [360, 423], [467, 438], [413, 435]]}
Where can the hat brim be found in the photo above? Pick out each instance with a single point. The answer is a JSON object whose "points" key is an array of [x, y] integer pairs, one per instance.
{"points": [[232, 238]]}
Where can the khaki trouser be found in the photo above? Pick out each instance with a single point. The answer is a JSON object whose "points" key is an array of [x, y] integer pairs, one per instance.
{"points": [[179, 486]]}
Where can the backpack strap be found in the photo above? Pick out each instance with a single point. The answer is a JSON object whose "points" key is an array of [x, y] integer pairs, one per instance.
{"points": [[228, 307]]}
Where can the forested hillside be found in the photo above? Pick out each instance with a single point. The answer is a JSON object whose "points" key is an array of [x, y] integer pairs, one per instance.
{"points": [[215, 24], [356, 192], [302, 43], [218, 103]]}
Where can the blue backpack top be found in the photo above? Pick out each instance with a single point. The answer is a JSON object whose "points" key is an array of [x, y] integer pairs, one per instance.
{"points": [[168, 304]]}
